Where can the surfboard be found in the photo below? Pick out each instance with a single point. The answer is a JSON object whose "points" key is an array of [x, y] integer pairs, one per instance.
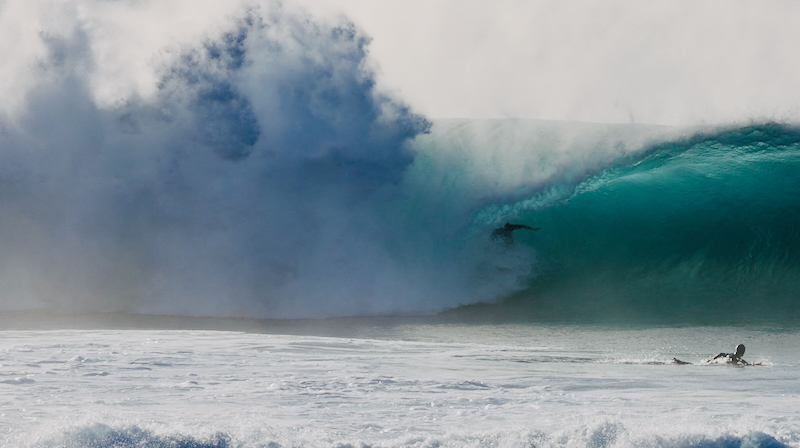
{"points": [[679, 362]]}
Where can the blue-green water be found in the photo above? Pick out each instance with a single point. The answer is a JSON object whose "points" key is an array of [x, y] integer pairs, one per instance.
{"points": [[694, 226], [704, 228]]}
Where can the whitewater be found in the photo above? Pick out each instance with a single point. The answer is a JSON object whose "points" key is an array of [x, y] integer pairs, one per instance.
{"points": [[223, 230], [387, 383]]}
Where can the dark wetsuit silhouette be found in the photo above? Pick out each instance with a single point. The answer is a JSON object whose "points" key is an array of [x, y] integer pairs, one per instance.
{"points": [[503, 235], [734, 358]]}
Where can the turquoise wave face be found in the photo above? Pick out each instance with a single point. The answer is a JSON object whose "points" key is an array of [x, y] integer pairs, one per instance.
{"points": [[705, 228]]}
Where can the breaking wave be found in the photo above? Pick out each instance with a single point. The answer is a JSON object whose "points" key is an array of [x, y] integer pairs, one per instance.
{"points": [[245, 183], [260, 172], [699, 228]]}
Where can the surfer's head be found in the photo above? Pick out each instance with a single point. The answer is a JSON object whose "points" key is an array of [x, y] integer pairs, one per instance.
{"points": [[740, 350]]}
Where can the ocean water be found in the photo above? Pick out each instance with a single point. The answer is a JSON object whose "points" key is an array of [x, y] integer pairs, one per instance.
{"points": [[251, 166], [395, 382], [224, 232]]}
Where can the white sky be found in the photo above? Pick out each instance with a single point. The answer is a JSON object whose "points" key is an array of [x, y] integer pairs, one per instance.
{"points": [[656, 61], [646, 61]]}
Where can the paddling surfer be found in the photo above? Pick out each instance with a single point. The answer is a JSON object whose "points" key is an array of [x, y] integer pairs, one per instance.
{"points": [[733, 358], [503, 234], [729, 358]]}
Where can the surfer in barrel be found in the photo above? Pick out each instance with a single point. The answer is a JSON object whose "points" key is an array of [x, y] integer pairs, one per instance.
{"points": [[725, 358], [503, 234]]}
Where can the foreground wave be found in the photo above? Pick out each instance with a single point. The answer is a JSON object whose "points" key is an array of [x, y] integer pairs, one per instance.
{"points": [[605, 435]]}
